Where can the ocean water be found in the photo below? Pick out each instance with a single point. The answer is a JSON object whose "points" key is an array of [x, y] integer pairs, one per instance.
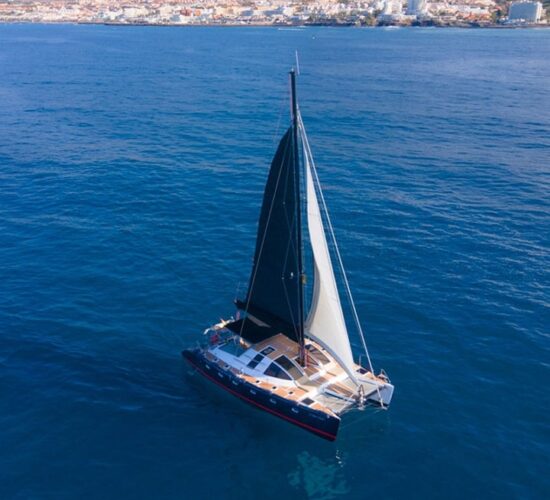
{"points": [[132, 163]]}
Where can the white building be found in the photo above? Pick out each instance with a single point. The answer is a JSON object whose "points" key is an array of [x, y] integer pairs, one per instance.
{"points": [[392, 8], [525, 11], [416, 7]]}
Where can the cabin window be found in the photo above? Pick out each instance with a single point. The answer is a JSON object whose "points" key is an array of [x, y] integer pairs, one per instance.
{"points": [[317, 354], [257, 359], [274, 370], [268, 350], [289, 366]]}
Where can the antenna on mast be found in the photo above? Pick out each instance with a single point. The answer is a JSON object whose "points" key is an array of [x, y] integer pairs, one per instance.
{"points": [[297, 62]]}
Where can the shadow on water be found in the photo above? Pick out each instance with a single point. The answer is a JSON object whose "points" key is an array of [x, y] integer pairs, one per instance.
{"points": [[300, 464], [319, 478]]}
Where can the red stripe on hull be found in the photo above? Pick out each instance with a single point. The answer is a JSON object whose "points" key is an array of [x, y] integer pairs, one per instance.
{"points": [[326, 435]]}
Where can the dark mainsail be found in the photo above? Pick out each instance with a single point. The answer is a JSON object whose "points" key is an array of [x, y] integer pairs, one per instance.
{"points": [[274, 290], [275, 299]]}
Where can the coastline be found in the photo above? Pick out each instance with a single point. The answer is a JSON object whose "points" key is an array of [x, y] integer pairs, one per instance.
{"points": [[471, 25]]}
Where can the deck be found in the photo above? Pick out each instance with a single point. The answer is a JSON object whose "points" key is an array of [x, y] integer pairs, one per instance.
{"points": [[323, 386]]}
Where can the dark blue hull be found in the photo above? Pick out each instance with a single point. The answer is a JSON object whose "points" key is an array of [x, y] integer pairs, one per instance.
{"points": [[317, 422]]}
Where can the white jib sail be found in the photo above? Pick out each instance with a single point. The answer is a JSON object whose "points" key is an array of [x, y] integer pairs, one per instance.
{"points": [[325, 322]]}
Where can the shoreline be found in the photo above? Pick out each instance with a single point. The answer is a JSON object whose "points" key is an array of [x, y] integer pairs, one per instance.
{"points": [[473, 25]]}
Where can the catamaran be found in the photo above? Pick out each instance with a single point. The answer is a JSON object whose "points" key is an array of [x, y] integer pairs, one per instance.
{"points": [[295, 365]]}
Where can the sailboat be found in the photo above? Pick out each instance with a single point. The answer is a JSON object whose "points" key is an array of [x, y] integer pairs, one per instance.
{"points": [[293, 363]]}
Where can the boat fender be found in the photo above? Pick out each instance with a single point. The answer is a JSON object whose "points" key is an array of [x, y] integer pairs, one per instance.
{"points": [[361, 396]]}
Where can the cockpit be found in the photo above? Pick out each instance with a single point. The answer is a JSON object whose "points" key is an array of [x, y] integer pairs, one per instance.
{"points": [[281, 367]]}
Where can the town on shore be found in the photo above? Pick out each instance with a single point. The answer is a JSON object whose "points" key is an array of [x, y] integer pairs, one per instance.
{"points": [[466, 13]]}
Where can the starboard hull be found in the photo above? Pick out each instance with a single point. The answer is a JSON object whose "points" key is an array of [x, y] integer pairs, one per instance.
{"points": [[316, 422]]}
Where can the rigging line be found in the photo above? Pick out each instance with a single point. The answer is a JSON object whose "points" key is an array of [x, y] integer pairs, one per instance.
{"points": [[252, 281], [294, 112], [369, 414], [335, 243], [293, 230], [290, 245], [290, 226], [307, 249], [298, 214], [339, 257], [290, 309]]}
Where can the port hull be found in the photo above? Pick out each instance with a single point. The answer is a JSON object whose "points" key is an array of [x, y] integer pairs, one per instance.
{"points": [[316, 422]]}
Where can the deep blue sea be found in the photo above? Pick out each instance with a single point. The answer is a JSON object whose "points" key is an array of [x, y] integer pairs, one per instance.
{"points": [[132, 165]]}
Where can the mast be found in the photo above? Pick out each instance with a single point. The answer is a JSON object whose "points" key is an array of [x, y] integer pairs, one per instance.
{"points": [[274, 302], [301, 274]]}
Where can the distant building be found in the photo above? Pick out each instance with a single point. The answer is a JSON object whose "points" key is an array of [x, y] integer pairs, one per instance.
{"points": [[530, 12], [416, 7], [392, 8]]}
